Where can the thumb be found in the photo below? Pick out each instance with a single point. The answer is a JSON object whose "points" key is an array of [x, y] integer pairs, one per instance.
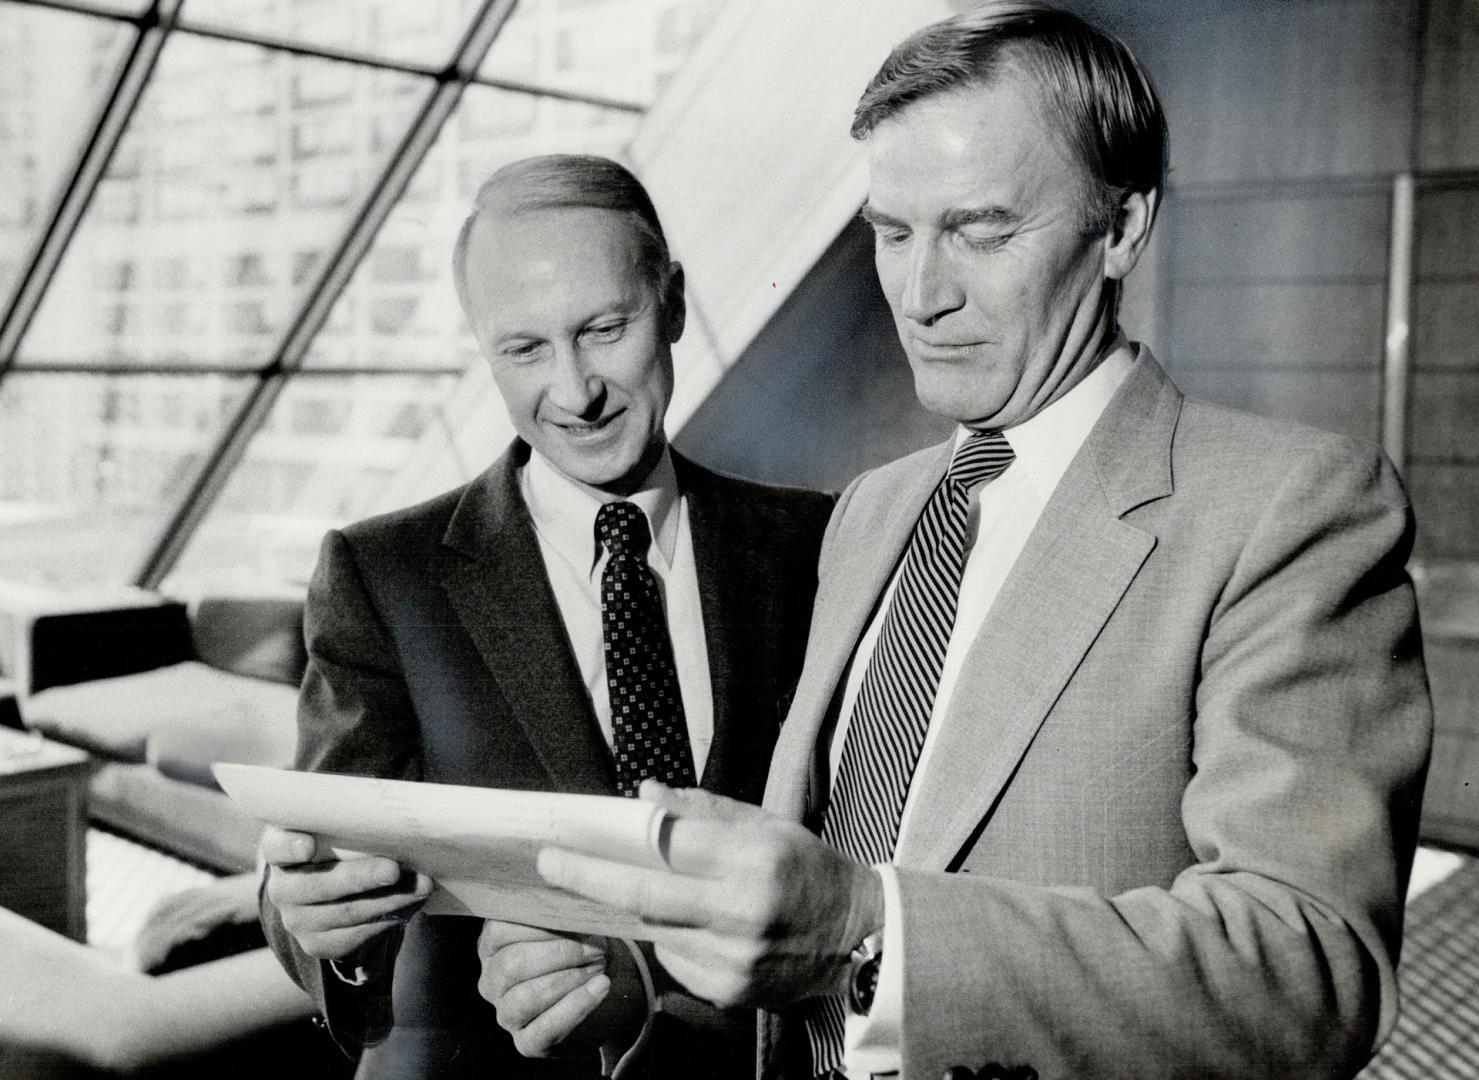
{"points": [[285, 847]]}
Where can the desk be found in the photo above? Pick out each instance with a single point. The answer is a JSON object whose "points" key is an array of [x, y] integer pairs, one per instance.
{"points": [[43, 832]]}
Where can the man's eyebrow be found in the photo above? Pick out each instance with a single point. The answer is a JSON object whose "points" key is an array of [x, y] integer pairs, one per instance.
{"points": [[508, 337], [874, 216], [979, 215], [950, 219]]}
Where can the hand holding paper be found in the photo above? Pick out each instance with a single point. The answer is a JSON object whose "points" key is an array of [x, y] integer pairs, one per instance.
{"points": [[477, 845], [333, 905], [754, 910]]}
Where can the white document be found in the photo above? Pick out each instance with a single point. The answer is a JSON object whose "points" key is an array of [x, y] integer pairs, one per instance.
{"points": [[477, 844]]}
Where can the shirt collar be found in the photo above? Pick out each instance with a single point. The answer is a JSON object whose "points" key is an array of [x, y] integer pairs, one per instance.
{"points": [[1047, 442], [564, 511]]}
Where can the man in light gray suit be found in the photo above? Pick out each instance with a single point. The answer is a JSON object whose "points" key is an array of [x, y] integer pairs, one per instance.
{"points": [[1113, 720]]}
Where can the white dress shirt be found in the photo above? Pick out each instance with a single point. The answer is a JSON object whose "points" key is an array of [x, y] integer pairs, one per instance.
{"points": [[564, 515], [1003, 513]]}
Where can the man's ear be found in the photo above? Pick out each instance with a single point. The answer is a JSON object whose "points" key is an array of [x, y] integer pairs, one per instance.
{"points": [[675, 308], [1129, 232]]}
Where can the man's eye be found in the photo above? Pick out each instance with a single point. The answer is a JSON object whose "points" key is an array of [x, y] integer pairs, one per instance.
{"points": [[523, 352], [605, 331], [984, 241], [890, 237]]}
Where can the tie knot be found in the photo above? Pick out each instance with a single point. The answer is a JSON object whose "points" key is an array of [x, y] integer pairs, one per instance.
{"points": [[622, 527], [983, 455]]}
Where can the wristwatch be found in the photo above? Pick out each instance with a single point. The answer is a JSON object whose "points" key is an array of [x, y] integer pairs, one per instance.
{"points": [[862, 982]]}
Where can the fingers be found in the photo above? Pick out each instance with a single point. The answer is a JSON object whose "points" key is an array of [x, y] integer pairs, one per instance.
{"points": [[696, 802], [548, 1030], [525, 961], [710, 835], [495, 935], [520, 1000], [333, 907], [339, 942], [332, 931], [657, 896], [332, 880], [692, 966], [377, 906], [329, 931], [283, 847], [542, 985]]}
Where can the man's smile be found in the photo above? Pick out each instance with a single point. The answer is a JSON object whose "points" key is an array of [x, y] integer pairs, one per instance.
{"points": [[587, 429]]}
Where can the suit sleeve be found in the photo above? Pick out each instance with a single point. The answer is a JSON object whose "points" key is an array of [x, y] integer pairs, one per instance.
{"points": [[1274, 954], [354, 716]]}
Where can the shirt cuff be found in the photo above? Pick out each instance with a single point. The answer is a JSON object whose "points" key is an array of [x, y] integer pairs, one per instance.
{"points": [[623, 1062], [873, 1044]]}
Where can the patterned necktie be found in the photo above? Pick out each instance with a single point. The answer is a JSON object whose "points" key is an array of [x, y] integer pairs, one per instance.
{"points": [[649, 735], [893, 706]]}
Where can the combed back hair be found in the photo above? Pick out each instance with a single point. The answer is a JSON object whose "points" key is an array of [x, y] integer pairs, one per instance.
{"points": [[1087, 82], [556, 181]]}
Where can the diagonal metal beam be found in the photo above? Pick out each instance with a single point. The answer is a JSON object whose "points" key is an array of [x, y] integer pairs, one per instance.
{"points": [[77, 193], [127, 370], [338, 268], [82, 7], [580, 97], [278, 43]]}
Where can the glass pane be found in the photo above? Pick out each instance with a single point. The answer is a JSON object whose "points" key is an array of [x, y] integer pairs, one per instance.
{"points": [[401, 309], [411, 31], [328, 448], [241, 167], [472, 428], [625, 50], [55, 68], [91, 467]]}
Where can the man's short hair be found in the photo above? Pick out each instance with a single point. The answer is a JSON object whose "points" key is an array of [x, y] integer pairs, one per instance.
{"points": [[556, 181], [1087, 81]]}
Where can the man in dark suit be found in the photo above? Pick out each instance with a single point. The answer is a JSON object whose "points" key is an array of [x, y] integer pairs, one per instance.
{"points": [[591, 611]]}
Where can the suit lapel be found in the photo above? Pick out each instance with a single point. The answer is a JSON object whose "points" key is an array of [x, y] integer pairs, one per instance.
{"points": [[501, 593], [729, 592], [1076, 566], [847, 595]]}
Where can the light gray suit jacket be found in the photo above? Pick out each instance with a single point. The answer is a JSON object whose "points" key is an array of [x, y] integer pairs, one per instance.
{"points": [[1171, 814]]}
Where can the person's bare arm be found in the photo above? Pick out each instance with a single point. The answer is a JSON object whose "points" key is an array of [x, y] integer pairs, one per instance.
{"points": [[63, 999]]}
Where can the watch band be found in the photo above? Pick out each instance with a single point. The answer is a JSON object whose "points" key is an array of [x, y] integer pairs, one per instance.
{"points": [[862, 983]]}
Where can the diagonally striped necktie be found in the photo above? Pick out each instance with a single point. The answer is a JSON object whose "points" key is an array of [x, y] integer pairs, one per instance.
{"points": [[892, 711]]}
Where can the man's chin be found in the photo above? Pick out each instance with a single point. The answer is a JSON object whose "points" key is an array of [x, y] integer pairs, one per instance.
{"points": [[957, 403], [617, 476]]}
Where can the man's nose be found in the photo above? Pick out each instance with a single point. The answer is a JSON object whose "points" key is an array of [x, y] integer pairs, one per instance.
{"points": [[930, 289], [574, 387]]}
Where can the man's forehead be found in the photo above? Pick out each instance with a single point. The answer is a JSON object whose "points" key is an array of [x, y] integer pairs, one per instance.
{"points": [[970, 151], [502, 222]]}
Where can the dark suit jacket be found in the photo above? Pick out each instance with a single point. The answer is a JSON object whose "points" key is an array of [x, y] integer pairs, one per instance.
{"points": [[437, 653]]}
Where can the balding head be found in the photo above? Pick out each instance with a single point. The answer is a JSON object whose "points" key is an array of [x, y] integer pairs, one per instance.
{"points": [[569, 181]]}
